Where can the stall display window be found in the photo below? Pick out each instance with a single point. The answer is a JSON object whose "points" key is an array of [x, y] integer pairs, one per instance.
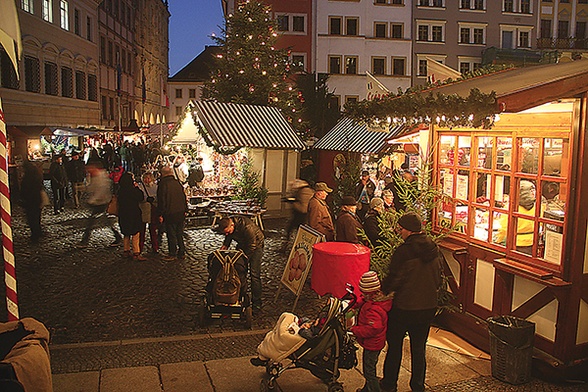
{"points": [[509, 192]]}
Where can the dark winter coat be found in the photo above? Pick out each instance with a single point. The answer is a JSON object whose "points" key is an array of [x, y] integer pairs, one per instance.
{"points": [[248, 235], [58, 175], [171, 199], [372, 226], [414, 274], [370, 330], [76, 170], [346, 227], [129, 213]]}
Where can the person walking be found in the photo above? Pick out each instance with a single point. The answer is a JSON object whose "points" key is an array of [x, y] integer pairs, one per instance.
{"points": [[319, 216], [250, 240], [370, 330], [99, 196], [58, 178], [302, 195], [414, 276], [196, 173], [348, 223], [364, 191], [129, 216], [31, 187], [172, 207], [76, 173]]}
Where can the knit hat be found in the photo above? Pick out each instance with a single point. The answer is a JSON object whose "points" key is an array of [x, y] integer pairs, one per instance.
{"points": [[348, 201], [387, 192], [369, 282], [376, 202], [411, 222]]}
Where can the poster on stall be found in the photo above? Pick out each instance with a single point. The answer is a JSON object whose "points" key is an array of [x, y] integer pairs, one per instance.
{"points": [[300, 260], [462, 187], [553, 246]]}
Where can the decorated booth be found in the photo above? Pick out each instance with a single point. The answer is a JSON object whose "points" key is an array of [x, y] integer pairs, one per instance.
{"points": [[234, 140], [520, 247]]}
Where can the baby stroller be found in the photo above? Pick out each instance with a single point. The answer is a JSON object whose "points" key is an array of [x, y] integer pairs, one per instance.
{"points": [[323, 355], [226, 290]]}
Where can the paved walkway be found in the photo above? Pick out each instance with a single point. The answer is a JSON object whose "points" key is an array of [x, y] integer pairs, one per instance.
{"points": [[150, 367]]}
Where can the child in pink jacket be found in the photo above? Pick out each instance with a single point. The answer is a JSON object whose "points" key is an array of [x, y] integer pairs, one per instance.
{"points": [[371, 327]]}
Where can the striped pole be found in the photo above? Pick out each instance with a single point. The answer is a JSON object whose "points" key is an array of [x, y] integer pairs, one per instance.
{"points": [[7, 245]]}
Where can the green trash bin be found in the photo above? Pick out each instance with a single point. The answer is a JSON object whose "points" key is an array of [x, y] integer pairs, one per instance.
{"points": [[511, 348]]}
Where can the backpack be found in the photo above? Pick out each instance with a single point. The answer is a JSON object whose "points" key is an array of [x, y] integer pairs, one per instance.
{"points": [[226, 286]]}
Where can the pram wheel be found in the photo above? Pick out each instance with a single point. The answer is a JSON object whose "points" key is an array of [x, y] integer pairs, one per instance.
{"points": [[336, 387], [266, 385], [248, 317]]}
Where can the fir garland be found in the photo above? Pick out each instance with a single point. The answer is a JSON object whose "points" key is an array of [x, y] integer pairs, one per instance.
{"points": [[412, 109]]}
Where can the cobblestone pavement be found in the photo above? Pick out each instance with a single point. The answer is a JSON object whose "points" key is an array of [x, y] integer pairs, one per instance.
{"points": [[94, 294]]}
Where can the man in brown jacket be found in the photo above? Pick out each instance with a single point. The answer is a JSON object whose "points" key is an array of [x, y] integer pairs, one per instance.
{"points": [[319, 216]]}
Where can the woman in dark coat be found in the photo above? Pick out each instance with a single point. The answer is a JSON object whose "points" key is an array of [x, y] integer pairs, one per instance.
{"points": [[129, 215], [30, 190]]}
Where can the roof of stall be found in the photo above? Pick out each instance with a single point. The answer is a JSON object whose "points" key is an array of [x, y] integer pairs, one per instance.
{"points": [[236, 125], [348, 135], [522, 88]]}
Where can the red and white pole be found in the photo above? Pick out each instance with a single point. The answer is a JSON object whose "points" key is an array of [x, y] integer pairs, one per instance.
{"points": [[5, 216]]}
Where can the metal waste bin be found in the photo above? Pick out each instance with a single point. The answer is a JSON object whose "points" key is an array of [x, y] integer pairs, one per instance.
{"points": [[511, 348]]}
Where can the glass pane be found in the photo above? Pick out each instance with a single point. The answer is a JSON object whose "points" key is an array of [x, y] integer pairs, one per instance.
{"points": [[462, 185], [485, 152], [461, 218], [482, 188], [526, 197], [554, 152], [464, 150], [446, 181], [446, 215], [504, 153], [524, 236], [501, 191], [446, 150], [550, 243], [500, 228], [482, 223], [529, 155]]}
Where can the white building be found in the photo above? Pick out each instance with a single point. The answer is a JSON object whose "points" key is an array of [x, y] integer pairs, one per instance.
{"points": [[355, 37]]}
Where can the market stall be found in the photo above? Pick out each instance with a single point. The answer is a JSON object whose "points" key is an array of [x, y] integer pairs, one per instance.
{"points": [[521, 238], [380, 150], [229, 137]]}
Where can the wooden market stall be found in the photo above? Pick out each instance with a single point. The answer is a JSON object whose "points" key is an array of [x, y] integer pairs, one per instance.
{"points": [[521, 243], [224, 132], [385, 147]]}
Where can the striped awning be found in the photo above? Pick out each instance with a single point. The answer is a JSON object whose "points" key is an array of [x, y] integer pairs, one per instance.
{"points": [[235, 125], [348, 135]]}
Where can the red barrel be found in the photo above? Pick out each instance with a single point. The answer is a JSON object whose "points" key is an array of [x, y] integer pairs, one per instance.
{"points": [[334, 264]]}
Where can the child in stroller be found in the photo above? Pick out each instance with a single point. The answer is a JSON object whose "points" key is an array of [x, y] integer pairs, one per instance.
{"points": [[328, 348], [226, 289]]}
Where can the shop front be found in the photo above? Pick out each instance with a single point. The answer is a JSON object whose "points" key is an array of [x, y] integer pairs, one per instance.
{"points": [[520, 241], [228, 137]]}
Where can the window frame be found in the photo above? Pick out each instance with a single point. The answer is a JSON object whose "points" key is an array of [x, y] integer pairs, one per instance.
{"points": [[348, 20], [347, 67], [340, 64], [64, 14], [393, 61], [381, 24], [373, 65], [470, 198], [333, 19], [47, 10]]}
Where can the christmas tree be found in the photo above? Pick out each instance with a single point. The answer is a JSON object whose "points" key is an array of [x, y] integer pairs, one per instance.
{"points": [[250, 69]]}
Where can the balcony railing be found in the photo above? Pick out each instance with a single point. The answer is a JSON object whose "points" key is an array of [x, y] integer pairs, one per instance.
{"points": [[562, 43]]}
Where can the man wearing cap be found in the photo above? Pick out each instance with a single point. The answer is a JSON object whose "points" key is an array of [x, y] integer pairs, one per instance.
{"points": [[364, 191], [371, 224], [250, 240], [347, 222], [319, 216], [414, 275]]}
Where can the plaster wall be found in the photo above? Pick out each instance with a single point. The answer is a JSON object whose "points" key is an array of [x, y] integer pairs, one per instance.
{"points": [[545, 319], [484, 289]]}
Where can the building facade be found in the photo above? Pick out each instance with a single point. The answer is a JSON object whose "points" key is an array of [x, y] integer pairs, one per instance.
{"points": [[59, 71], [563, 26], [358, 37], [456, 33]]}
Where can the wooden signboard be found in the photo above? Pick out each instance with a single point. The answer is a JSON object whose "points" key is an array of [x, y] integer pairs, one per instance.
{"points": [[300, 260]]}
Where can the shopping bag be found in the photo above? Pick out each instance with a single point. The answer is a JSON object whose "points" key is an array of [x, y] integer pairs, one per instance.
{"points": [[145, 207], [44, 198]]}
